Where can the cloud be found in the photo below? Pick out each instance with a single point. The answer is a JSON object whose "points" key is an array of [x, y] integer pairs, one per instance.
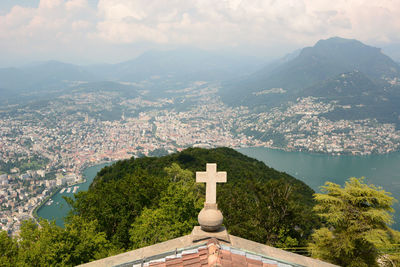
{"points": [[54, 26], [209, 22], [61, 25]]}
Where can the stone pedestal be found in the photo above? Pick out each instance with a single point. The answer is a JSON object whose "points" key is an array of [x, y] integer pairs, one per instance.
{"points": [[199, 235]]}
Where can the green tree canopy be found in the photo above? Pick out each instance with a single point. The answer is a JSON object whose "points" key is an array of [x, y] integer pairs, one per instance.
{"points": [[8, 250], [357, 219], [258, 202], [51, 245], [176, 214]]}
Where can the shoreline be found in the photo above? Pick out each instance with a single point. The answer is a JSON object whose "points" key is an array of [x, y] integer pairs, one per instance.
{"points": [[41, 204], [34, 213], [344, 153]]}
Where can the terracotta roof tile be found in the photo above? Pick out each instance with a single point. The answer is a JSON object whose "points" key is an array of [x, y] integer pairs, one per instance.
{"points": [[190, 256], [238, 258], [226, 263], [203, 251], [216, 255], [196, 264], [254, 262], [158, 264], [174, 262], [269, 263], [191, 261], [226, 254]]}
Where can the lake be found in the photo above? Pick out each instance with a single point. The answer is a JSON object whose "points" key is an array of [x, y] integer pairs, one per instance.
{"points": [[316, 169], [59, 209], [313, 169]]}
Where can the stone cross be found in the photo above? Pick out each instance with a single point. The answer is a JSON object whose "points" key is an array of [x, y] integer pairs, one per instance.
{"points": [[211, 177]]}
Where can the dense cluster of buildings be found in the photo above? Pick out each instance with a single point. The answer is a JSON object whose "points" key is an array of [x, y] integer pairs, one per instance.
{"points": [[21, 193], [302, 126], [69, 134]]}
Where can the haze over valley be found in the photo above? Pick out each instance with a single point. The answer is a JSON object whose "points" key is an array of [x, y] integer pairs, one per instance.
{"points": [[233, 132]]}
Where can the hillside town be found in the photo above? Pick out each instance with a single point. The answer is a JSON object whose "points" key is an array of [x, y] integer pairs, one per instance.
{"points": [[302, 126], [22, 193], [44, 147]]}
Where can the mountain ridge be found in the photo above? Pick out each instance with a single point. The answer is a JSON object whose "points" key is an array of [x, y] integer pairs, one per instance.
{"points": [[324, 60], [154, 70]]}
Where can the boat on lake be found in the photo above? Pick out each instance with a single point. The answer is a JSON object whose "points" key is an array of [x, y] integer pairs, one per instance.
{"points": [[62, 190], [69, 189], [75, 189]]}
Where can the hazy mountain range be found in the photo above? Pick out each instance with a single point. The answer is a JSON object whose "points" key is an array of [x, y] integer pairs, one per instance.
{"points": [[156, 70], [313, 65], [343, 70]]}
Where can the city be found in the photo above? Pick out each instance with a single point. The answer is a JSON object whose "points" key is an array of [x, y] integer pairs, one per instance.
{"points": [[44, 147]]}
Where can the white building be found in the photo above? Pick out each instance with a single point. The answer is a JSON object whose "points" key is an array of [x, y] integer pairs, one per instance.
{"points": [[61, 181], [51, 183], [70, 178], [41, 173]]}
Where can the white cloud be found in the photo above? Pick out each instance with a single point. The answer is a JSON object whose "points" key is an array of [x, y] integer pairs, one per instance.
{"points": [[54, 26], [58, 25], [213, 22], [76, 4]]}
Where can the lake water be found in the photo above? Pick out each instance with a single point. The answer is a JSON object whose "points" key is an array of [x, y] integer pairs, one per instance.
{"points": [[313, 169], [316, 169], [59, 209]]}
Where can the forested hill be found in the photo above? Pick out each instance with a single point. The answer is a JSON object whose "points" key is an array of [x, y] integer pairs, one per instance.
{"points": [[142, 201]]}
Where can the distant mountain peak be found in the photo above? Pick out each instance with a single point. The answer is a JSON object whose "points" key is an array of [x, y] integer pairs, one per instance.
{"points": [[320, 65], [338, 40]]}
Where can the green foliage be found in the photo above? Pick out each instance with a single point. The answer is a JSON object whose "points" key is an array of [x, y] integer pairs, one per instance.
{"points": [[356, 223], [33, 163], [139, 202], [115, 203], [176, 215], [8, 250], [51, 245], [270, 212], [143, 201]]}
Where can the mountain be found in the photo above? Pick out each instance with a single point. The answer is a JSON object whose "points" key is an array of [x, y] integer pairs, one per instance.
{"points": [[49, 75], [157, 71], [11, 80], [345, 85], [53, 72], [163, 69], [125, 90], [325, 60]]}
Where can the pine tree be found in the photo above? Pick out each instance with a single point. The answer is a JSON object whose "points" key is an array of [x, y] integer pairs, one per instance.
{"points": [[357, 219]]}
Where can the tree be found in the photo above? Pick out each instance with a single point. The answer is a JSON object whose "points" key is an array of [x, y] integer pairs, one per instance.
{"points": [[267, 212], [51, 245], [357, 219], [8, 250], [115, 203], [176, 214], [258, 202]]}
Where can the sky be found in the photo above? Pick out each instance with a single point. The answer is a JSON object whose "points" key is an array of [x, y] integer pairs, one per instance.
{"points": [[110, 31]]}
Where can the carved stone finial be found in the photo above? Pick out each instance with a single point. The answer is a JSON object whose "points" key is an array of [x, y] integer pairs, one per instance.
{"points": [[210, 217]]}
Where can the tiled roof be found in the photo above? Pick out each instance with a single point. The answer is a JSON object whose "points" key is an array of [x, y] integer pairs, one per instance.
{"points": [[194, 250], [212, 254]]}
